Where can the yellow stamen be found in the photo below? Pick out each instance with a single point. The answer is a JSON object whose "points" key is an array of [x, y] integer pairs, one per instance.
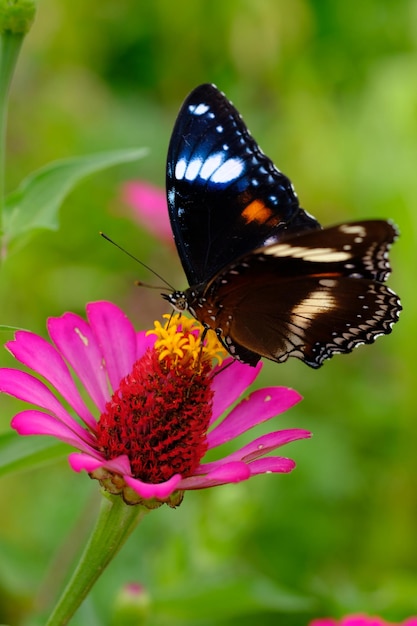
{"points": [[180, 339]]}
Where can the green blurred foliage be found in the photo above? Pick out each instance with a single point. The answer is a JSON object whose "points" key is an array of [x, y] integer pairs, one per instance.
{"points": [[329, 91]]}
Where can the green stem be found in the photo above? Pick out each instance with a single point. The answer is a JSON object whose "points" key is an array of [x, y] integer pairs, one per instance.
{"points": [[10, 44], [115, 523]]}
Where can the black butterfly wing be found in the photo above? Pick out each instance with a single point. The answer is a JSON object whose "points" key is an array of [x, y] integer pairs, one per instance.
{"points": [[334, 317], [225, 197], [309, 297]]}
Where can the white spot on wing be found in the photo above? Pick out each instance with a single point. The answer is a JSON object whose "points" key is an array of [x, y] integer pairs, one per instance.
{"points": [[180, 168], [353, 229], [171, 195], [316, 303], [328, 282], [319, 255], [228, 171], [198, 109], [210, 165], [193, 169]]}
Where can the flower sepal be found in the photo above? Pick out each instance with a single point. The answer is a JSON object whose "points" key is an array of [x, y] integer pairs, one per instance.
{"points": [[115, 484]]}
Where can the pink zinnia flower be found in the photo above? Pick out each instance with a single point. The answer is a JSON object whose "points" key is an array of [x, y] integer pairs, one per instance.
{"points": [[361, 620], [158, 400], [149, 206]]}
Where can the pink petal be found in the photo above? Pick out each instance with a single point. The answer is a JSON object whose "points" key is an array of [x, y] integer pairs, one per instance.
{"points": [[33, 422], [36, 353], [230, 383], [77, 343], [89, 463], [260, 406], [116, 339], [259, 447], [271, 464], [161, 491], [362, 620], [30, 389], [228, 473], [150, 206], [270, 442], [144, 342], [120, 465]]}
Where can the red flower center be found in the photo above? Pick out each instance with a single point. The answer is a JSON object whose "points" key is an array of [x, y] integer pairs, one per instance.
{"points": [[158, 417]]}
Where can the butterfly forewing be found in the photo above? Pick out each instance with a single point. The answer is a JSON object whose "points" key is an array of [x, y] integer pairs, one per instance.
{"points": [[262, 273], [220, 184]]}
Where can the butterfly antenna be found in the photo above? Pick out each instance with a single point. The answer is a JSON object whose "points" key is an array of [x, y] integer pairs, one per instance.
{"points": [[140, 283]]}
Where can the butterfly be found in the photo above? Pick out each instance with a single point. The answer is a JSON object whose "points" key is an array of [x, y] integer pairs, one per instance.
{"points": [[263, 274]]}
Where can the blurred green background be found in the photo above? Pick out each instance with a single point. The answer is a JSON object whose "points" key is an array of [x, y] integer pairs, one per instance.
{"points": [[329, 90]]}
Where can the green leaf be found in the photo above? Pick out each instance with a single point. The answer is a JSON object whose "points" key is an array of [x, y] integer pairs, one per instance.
{"points": [[36, 202], [19, 453]]}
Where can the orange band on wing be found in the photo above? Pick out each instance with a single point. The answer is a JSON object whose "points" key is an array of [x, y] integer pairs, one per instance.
{"points": [[256, 211]]}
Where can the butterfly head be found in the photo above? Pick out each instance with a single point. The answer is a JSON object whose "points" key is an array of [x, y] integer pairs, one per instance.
{"points": [[177, 299]]}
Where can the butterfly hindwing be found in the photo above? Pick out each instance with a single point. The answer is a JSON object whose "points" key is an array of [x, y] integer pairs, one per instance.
{"points": [[318, 317], [220, 183], [310, 297]]}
